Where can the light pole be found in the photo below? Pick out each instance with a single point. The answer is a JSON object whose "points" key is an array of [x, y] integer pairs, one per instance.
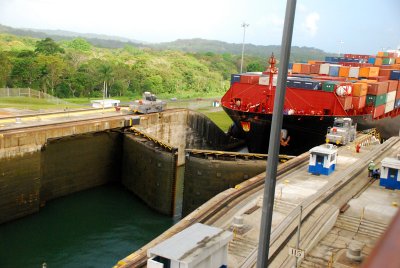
{"points": [[244, 25], [340, 47]]}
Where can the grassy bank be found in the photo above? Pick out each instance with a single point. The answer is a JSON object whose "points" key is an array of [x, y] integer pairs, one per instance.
{"points": [[204, 106]]}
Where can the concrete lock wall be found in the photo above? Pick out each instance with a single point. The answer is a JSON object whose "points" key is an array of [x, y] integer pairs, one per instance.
{"points": [[19, 185], [205, 178], [185, 129], [75, 163], [149, 171]]}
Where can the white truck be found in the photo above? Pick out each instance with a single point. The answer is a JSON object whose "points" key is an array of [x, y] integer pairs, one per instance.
{"points": [[342, 132], [149, 104]]}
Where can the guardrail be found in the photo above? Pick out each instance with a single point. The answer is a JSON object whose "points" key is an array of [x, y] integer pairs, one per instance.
{"points": [[31, 93]]}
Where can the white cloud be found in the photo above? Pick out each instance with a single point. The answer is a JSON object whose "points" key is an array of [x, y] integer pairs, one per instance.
{"points": [[311, 23]]}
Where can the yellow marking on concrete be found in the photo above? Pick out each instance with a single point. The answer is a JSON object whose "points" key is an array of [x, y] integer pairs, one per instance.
{"points": [[69, 114]]}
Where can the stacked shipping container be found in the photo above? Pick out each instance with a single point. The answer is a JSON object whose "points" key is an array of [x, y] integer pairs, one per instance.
{"points": [[374, 81]]}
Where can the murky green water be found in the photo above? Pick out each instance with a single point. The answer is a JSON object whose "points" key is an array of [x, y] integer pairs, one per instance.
{"points": [[93, 228]]}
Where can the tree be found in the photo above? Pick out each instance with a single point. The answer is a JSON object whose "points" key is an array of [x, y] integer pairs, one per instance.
{"points": [[5, 68], [106, 73], [48, 47], [52, 68], [79, 44], [25, 71], [254, 67]]}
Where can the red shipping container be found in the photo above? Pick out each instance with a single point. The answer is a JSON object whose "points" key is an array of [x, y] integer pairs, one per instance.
{"points": [[314, 68], [378, 111], [393, 85], [249, 79], [398, 94], [330, 78], [359, 102], [305, 68], [377, 88], [384, 72], [346, 102], [380, 78]]}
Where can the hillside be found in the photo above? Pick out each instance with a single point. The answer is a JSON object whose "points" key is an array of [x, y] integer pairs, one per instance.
{"points": [[201, 46], [196, 45], [68, 66], [98, 40]]}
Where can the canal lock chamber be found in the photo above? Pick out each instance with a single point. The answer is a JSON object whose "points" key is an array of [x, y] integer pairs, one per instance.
{"points": [[148, 160]]}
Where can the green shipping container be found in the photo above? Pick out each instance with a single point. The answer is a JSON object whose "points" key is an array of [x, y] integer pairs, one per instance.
{"points": [[376, 100], [387, 61], [329, 86]]}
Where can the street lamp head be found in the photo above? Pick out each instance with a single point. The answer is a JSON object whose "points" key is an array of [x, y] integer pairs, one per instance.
{"points": [[244, 25]]}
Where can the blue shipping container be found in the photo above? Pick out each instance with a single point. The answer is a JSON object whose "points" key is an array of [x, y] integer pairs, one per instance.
{"points": [[334, 70], [314, 85], [235, 78], [371, 60], [395, 75], [397, 104]]}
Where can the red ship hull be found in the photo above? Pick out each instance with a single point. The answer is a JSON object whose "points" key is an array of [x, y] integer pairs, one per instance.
{"points": [[307, 116]]}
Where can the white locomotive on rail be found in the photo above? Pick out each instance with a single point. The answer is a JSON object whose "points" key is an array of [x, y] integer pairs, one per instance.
{"points": [[149, 104], [342, 132]]}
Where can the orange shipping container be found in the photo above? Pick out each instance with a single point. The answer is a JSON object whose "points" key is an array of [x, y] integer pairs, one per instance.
{"points": [[398, 60], [296, 68], [393, 85], [378, 61], [360, 89], [364, 72], [344, 71], [398, 94], [373, 71], [358, 102]]}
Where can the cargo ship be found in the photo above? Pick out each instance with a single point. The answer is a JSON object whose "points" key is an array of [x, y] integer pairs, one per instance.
{"points": [[363, 87]]}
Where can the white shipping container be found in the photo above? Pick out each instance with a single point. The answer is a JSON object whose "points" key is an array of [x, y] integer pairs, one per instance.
{"points": [[354, 72], [389, 106], [391, 96], [324, 68], [264, 80]]}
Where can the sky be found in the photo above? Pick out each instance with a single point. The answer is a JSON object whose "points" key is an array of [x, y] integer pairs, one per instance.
{"points": [[337, 26]]}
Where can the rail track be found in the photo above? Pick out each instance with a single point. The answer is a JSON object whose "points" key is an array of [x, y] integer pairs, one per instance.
{"points": [[286, 229]]}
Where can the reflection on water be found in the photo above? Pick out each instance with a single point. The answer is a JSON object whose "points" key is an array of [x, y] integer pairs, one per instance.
{"points": [[93, 228]]}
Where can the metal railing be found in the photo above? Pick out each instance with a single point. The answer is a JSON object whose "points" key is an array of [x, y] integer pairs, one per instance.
{"points": [[30, 93]]}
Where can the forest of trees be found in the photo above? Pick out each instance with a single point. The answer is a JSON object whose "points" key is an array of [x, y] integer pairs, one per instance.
{"points": [[75, 68]]}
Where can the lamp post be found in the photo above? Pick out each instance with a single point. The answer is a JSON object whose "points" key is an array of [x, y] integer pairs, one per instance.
{"points": [[340, 47], [244, 25]]}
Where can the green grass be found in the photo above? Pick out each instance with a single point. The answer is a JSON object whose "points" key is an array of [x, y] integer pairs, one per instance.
{"points": [[30, 103], [220, 118]]}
